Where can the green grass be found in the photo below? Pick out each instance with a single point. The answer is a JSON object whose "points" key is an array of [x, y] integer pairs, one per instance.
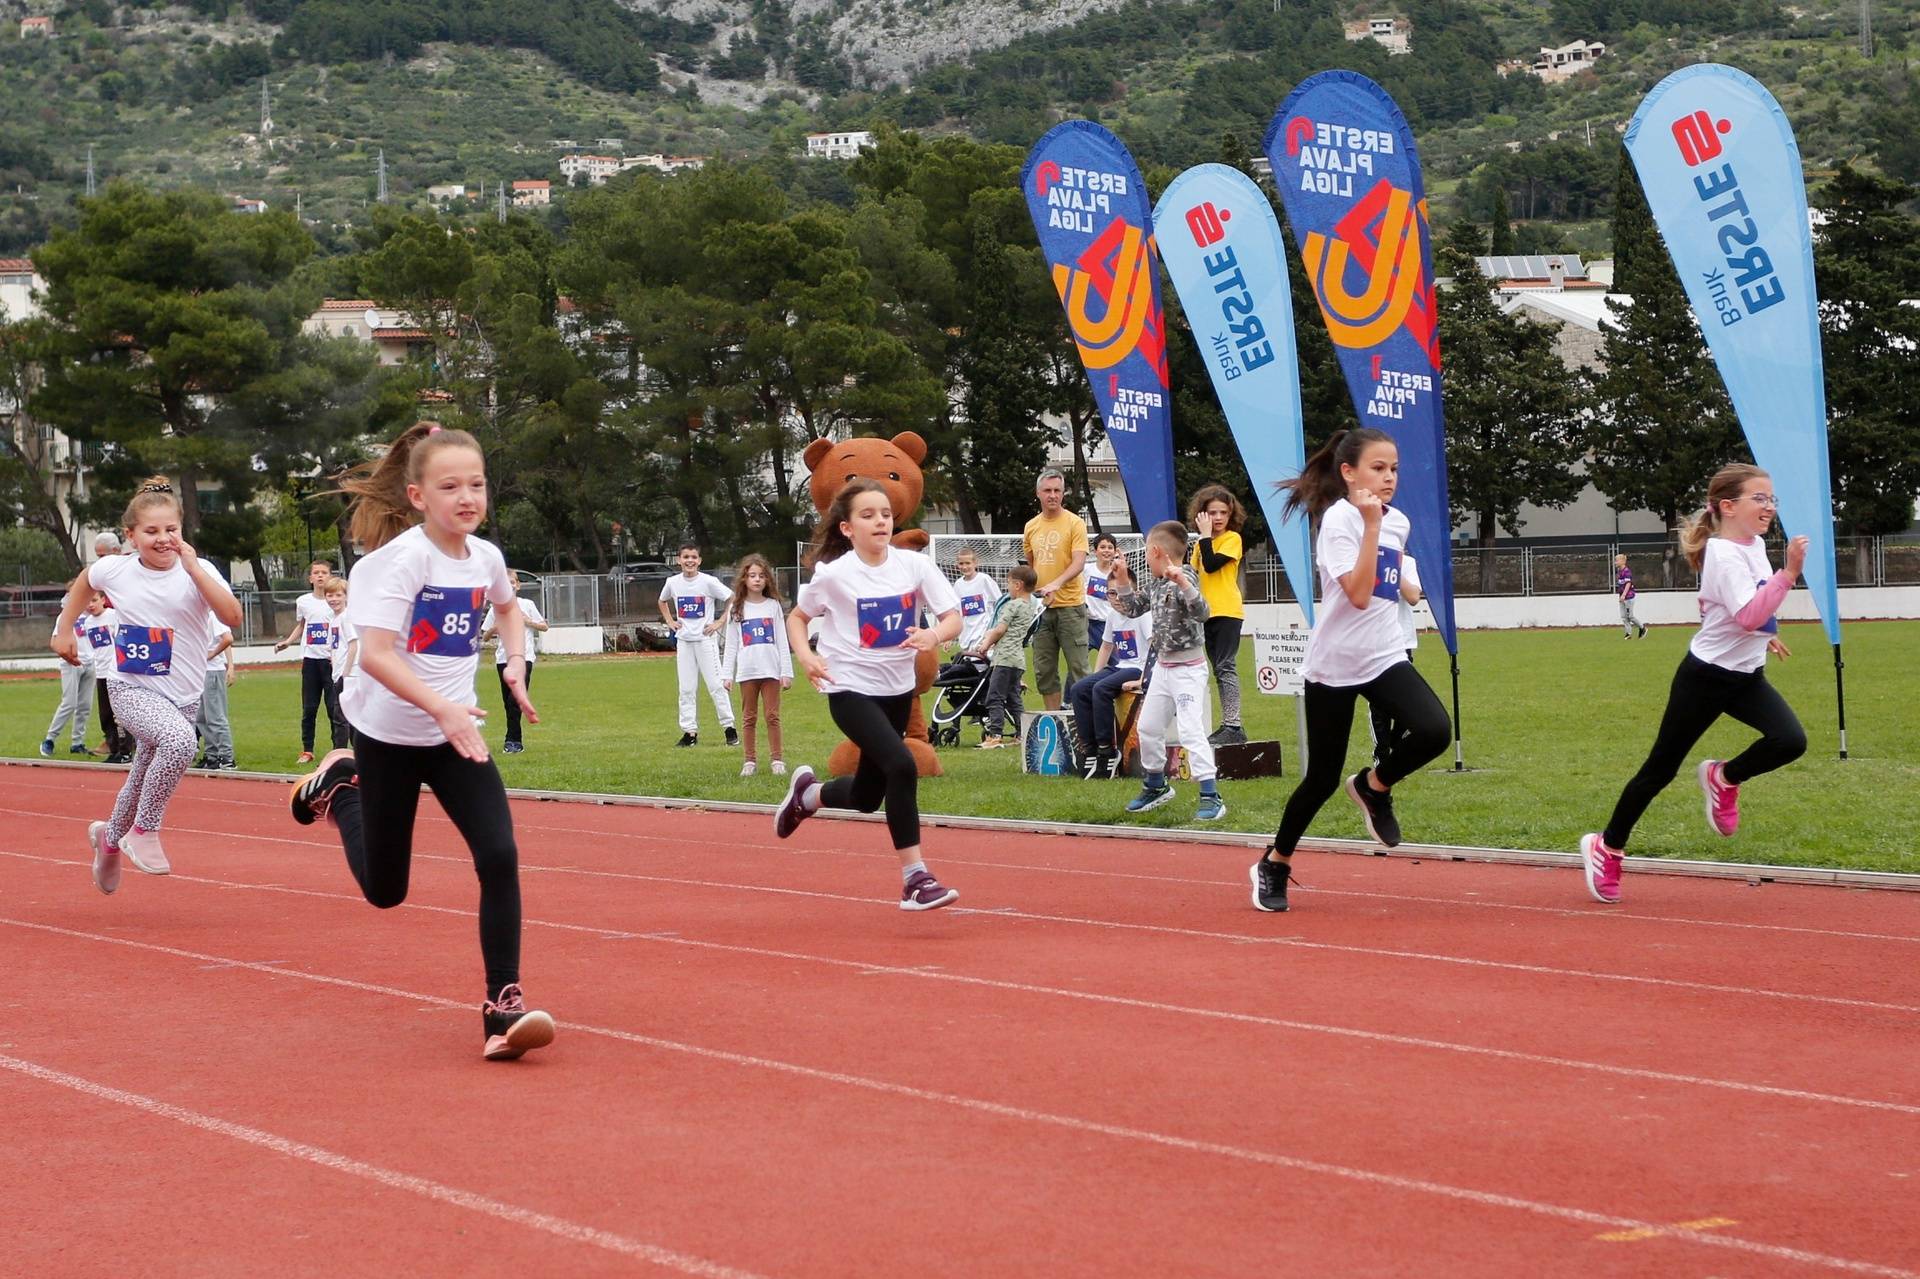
{"points": [[1555, 722]]}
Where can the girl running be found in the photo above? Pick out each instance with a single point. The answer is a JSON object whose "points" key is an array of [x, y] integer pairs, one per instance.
{"points": [[1356, 649], [759, 657], [1723, 673], [1216, 514], [418, 599], [166, 603], [868, 595]]}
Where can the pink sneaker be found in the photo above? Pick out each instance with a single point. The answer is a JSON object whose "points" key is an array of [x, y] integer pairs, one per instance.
{"points": [[142, 848], [106, 861], [1602, 865], [1723, 799]]}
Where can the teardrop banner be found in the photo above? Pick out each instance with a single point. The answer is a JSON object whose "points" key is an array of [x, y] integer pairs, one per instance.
{"points": [[1223, 251], [1090, 209], [1348, 175], [1723, 178]]}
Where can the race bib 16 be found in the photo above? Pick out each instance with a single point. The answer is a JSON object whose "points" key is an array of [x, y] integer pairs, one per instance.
{"points": [[884, 622], [1386, 575], [446, 621], [143, 650]]}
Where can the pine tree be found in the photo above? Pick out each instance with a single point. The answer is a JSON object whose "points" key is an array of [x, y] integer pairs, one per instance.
{"points": [[1503, 240], [1660, 421]]}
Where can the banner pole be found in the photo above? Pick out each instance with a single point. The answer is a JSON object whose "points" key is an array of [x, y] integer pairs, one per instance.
{"points": [[1458, 764], [1840, 695]]}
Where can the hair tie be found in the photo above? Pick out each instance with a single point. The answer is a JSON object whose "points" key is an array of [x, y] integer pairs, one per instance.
{"points": [[156, 488], [434, 429]]}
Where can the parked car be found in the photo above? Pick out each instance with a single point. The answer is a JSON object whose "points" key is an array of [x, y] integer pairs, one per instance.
{"points": [[642, 568]]}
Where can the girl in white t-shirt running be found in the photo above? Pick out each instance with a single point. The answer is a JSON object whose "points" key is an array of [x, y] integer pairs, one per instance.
{"points": [[166, 605], [418, 600], [759, 657], [868, 595], [1723, 673], [1356, 649]]}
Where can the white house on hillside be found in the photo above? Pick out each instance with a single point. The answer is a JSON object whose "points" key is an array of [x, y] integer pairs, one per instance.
{"points": [[846, 145], [1393, 33]]}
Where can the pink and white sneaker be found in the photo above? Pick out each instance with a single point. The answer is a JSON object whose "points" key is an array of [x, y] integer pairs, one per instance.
{"points": [[142, 848], [106, 859], [1602, 866], [1723, 798]]}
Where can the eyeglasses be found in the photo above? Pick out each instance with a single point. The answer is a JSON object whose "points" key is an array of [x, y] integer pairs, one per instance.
{"points": [[1765, 499]]}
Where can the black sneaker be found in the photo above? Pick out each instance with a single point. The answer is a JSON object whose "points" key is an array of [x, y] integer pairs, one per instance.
{"points": [[1643, 630], [511, 1027], [733, 738], [1099, 764], [1270, 883], [1228, 735], [1376, 809], [688, 739], [313, 794]]}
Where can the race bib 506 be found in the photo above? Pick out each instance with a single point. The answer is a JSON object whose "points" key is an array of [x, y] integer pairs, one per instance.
{"points": [[884, 622], [446, 620], [319, 634], [143, 650]]}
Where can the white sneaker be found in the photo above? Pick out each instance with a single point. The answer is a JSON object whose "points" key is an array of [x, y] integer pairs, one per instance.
{"points": [[749, 768], [779, 768], [144, 851], [106, 861]]}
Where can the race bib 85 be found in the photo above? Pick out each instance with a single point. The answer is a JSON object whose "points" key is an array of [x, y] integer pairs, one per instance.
{"points": [[143, 650], [1386, 575], [884, 622], [446, 620]]}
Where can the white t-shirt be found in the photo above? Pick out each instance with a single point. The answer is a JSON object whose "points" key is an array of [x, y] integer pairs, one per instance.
{"points": [[435, 604], [162, 626], [977, 595], [1094, 582], [757, 643], [218, 661], [528, 610], [864, 614], [1351, 645], [95, 637], [1409, 629], [344, 633], [1731, 574], [696, 602], [316, 627], [1132, 639]]}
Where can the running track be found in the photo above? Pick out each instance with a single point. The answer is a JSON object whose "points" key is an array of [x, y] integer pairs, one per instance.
{"points": [[1101, 1062]]}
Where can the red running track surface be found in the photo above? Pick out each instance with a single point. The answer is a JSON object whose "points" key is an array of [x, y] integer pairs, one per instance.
{"points": [[1102, 1061]]}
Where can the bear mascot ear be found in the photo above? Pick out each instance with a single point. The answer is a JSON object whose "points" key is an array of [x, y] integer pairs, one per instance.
{"points": [[910, 443], [820, 448]]}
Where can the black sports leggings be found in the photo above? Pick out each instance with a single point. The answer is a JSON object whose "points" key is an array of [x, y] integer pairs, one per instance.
{"points": [[513, 706], [1421, 729], [1702, 693], [376, 828], [887, 773], [316, 687]]}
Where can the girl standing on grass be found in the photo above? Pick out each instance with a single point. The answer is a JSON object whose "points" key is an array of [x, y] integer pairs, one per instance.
{"points": [[1623, 588], [1723, 673], [868, 595], [1356, 649], [1218, 517], [418, 599], [166, 605], [759, 657]]}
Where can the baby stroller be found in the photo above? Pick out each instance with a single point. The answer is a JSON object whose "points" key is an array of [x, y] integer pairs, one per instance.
{"points": [[961, 694]]}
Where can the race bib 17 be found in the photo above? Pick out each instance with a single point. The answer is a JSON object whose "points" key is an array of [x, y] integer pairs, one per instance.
{"points": [[143, 650], [884, 622], [756, 630], [446, 620], [1386, 575]]}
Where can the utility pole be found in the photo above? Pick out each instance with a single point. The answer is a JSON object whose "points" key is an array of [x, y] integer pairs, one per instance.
{"points": [[381, 194], [89, 168], [266, 110], [500, 203], [1866, 28]]}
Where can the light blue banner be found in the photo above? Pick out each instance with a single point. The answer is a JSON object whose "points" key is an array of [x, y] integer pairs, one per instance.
{"points": [[1222, 249], [1722, 174]]}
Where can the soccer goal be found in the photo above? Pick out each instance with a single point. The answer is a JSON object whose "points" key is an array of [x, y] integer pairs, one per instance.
{"points": [[998, 552]]}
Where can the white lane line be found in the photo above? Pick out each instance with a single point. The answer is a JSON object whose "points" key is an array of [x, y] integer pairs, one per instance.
{"points": [[934, 972], [512, 1214], [1144, 1136]]}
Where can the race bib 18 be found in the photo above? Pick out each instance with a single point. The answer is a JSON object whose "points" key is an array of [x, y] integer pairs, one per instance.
{"points": [[756, 630], [143, 650], [884, 622], [446, 620], [1386, 575]]}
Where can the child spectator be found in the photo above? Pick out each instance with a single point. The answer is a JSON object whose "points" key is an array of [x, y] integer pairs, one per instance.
{"points": [[978, 594], [92, 634], [1218, 518], [1623, 589], [536, 626], [758, 658], [690, 603], [1005, 648], [216, 733], [1106, 549], [1122, 661], [1178, 693]]}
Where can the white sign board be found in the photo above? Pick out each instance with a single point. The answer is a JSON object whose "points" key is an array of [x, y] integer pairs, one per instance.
{"points": [[1277, 656]]}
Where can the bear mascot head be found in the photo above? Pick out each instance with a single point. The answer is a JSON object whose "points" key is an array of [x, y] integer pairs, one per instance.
{"points": [[895, 463]]}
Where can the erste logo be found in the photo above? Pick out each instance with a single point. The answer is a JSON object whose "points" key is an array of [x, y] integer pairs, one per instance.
{"points": [[1699, 137]]}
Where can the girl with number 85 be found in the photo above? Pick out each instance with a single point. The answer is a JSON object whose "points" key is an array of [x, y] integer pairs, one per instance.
{"points": [[417, 601], [165, 605]]}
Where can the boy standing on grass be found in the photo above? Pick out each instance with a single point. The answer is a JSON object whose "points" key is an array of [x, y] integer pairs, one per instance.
{"points": [[691, 603], [1005, 648], [978, 594]]}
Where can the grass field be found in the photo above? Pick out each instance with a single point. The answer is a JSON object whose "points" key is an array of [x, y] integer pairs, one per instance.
{"points": [[1555, 722]]}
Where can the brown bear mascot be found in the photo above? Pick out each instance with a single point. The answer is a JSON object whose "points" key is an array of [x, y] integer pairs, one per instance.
{"points": [[895, 463]]}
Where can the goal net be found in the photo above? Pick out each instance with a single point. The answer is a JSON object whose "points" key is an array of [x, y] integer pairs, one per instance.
{"points": [[997, 552]]}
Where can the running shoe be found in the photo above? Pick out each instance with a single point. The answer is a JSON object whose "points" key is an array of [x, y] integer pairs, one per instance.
{"points": [[1643, 630], [306, 757], [1602, 866], [1723, 798], [511, 748], [688, 739], [1150, 797], [733, 738], [1376, 809], [924, 892], [80, 750], [990, 744], [749, 768], [1212, 808], [779, 768], [314, 793], [46, 749], [511, 1027], [1270, 883], [142, 848], [793, 809], [1228, 735], [106, 859]]}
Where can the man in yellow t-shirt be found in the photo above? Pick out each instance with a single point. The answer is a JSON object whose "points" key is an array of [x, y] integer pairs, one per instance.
{"points": [[1056, 547]]}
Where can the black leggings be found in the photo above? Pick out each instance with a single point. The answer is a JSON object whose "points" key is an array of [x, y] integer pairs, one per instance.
{"points": [[887, 773], [1420, 735], [316, 686], [513, 707], [1702, 693], [376, 828]]}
